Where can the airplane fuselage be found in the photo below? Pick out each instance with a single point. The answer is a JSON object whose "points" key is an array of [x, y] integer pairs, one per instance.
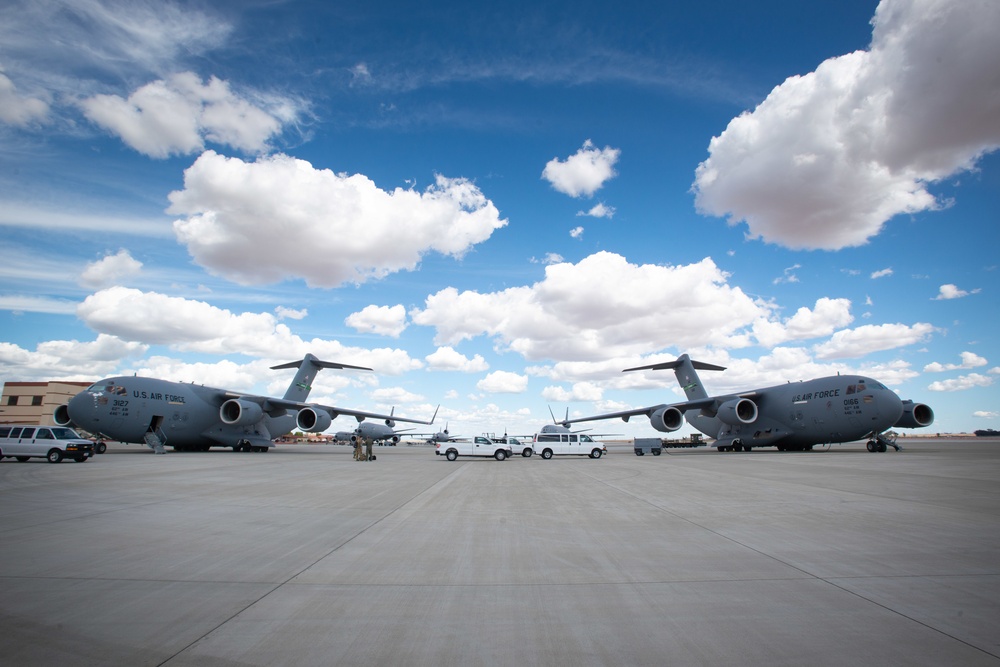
{"points": [[187, 415], [835, 409]]}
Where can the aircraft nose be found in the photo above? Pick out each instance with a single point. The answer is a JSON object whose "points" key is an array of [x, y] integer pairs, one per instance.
{"points": [[891, 407], [78, 408]]}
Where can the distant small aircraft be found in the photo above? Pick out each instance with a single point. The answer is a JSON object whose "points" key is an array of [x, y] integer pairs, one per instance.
{"points": [[378, 432], [793, 416], [432, 438], [192, 417]]}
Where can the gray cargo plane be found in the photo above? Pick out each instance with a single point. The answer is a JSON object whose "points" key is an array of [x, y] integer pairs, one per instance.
{"points": [[793, 416], [192, 417], [378, 432]]}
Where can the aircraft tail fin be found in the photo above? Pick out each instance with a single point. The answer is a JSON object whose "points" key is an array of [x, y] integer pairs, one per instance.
{"points": [[684, 368], [308, 367]]}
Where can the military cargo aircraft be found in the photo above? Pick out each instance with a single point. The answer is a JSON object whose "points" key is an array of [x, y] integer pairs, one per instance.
{"points": [[793, 416], [192, 417], [376, 432]]}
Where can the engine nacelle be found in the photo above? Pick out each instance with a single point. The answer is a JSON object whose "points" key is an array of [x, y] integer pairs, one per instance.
{"points": [[61, 416], [737, 411], [237, 412], [915, 415], [313, 420], [667, 419]]}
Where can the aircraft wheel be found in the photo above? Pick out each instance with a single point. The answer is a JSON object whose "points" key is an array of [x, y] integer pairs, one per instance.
{"points": [[871, 446], [881, 447], [100, 447], [451, 455], [500, 455], [236, 448], [54, 456]]}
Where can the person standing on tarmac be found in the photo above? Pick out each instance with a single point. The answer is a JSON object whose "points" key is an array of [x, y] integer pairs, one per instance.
{"points": [[368, 450], [357, 449]]}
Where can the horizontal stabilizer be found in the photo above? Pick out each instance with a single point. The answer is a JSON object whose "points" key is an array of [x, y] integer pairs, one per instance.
{"points": [[698, 365], [317, 362]]}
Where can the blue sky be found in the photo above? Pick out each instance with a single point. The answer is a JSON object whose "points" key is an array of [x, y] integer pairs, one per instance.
{"points": [[498, 208]]}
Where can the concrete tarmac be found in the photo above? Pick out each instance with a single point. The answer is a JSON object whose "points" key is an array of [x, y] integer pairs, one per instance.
{"points": [[303, 556]]}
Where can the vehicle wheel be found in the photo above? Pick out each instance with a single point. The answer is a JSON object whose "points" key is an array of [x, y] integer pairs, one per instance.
{"points": [[451, 455], [721, 449], [80, 459], [596, 454], [23, 459], [656, 452], [500, 455], [881, 447], [54, 456], [100, 447], [546, 454], [527, 453], [871, 446], [638, 452]]}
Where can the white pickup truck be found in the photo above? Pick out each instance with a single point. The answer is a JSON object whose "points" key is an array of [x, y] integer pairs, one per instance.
{"points": [[478, 446]]}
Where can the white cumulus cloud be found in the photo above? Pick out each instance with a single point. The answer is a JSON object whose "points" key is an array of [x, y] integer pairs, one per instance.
{"points": [[950, 291], [110, 270], [855, 343], [19, 110], [382, 320], [448, 359], [503, 382], [830, 156], [256, 222], [599, 308], [962, 383], [176, 116], [584, 172]]}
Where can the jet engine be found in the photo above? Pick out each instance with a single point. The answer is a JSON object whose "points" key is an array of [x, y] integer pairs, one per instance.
{"points": [[737, 411], [61, 416], [915, 415], [313, 420], [237, 412], [667, 419]]}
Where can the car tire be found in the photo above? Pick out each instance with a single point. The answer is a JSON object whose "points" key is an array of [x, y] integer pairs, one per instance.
{"points": [[546, 454], [500, 455], [595, 454], [451, 455], [54, 456]]}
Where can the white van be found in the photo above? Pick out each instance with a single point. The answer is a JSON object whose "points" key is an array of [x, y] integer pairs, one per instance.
{"points": [[549, 444], [53, 443]]}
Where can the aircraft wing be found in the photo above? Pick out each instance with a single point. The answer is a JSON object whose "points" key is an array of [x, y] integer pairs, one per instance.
{"points": [[271, 404], [624, 415]]}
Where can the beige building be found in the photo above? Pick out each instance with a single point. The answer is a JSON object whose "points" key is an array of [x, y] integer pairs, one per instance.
{"points": [[35, 402]]}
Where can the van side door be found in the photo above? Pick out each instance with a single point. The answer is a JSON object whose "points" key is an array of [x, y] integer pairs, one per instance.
{"points": [[24, 439]]}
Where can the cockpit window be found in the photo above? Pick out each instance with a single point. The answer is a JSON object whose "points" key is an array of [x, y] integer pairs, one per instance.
{"points": [[107, 387]]}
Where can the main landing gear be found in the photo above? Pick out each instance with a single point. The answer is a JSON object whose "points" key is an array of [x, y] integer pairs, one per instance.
{"points": [[245, 446], [882, 441]]}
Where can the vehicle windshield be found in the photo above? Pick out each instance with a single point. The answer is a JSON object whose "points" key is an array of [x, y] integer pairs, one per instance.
{"points": [[65, 433]]}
